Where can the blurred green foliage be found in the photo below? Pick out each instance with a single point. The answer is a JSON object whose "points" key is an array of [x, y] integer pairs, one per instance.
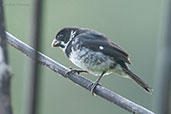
{"points": [[132, 24]]}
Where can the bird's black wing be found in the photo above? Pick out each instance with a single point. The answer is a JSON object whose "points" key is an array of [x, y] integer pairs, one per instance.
{"points": [[99, 42]]}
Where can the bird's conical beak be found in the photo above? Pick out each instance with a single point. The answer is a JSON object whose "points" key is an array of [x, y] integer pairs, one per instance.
{"points": [[55, 43]]}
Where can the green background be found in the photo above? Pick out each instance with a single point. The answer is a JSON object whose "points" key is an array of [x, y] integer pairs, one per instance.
{"points": [[133, 24]]}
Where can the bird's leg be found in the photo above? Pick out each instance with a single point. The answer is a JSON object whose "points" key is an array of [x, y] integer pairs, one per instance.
{"points": [[75, 71], [92, 86]]}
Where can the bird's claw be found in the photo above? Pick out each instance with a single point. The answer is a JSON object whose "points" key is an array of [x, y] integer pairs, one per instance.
{"points": [[75, 71], [92, 87]]}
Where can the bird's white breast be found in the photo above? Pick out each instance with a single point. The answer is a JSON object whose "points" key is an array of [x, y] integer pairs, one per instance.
{"points": [[93, 62]]}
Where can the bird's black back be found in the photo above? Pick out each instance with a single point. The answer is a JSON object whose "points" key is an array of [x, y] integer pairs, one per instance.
{"points": [[92, 40]]}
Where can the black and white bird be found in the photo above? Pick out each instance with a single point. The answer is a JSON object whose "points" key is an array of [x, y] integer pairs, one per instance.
{"points": [[93, 52]]}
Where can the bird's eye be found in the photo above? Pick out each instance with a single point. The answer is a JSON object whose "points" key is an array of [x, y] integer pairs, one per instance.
{"points": [[60, 36]]}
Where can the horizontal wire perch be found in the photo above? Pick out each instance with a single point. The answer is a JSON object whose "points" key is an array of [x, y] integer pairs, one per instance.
{"points": [[58, 68]]}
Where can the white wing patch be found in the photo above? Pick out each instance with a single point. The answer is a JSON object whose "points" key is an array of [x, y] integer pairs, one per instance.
{"points": [[101, 47]]}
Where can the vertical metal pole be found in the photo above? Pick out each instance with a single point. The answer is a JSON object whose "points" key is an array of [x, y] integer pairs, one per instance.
{"points": [[5, 97], [34, 74], [162, 99]]}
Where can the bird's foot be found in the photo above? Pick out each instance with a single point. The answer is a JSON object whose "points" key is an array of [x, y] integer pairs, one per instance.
{"points": [[92, 87], [75, 71]]}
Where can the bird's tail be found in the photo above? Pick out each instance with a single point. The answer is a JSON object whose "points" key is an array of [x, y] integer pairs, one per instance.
{"points": [[138, 80]]}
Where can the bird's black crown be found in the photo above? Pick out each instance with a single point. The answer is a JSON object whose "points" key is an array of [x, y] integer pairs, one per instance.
{"points": [[64, 34]]}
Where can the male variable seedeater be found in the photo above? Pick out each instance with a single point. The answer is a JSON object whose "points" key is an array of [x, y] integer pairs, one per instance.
{"points": [[94, 53]]}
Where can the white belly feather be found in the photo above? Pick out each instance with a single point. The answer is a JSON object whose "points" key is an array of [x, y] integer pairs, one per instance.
{"points": [[93, 62]]}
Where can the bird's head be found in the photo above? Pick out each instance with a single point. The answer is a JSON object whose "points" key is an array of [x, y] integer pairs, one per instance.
{"points": [[64, 36]]}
